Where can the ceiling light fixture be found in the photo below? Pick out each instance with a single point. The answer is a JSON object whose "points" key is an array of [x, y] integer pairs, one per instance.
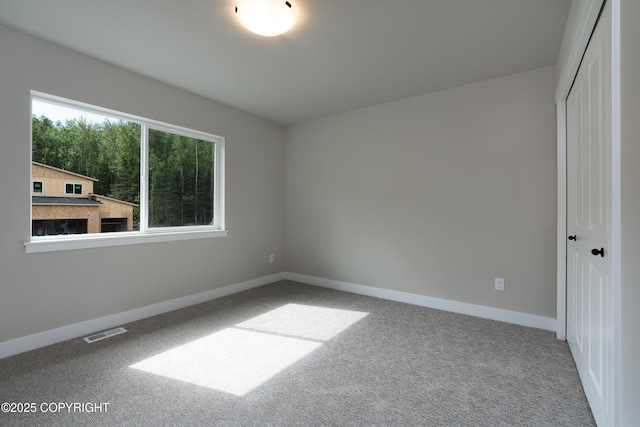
{"points": [[266, 17]]}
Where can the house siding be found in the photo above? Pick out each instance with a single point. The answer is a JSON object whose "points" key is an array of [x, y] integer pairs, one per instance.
{"points": [[116, 209], [90, 213], [54, 181]]}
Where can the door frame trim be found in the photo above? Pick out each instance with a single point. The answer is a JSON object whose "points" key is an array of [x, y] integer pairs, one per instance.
{"points": [[582, 19]]}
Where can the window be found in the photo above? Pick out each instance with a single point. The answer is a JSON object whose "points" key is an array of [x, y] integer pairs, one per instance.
{"points": [[134, 180], [73, 189], [181, 180]]}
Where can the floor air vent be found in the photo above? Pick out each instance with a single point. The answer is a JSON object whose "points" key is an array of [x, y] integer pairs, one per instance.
{"points": [[105, 334]]}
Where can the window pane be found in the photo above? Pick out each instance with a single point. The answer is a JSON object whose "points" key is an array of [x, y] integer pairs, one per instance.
{"points": [[181, 180], [37, 187], [79, 152]]}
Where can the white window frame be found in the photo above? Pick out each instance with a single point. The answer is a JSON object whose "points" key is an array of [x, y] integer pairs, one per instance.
{"points": [[146, 234]]}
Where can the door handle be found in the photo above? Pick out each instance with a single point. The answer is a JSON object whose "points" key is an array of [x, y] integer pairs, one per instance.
{"points": [[573, 237], [598, 252]]}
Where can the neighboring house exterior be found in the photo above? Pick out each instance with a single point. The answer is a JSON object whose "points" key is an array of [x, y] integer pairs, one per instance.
{"points": [[63, 202]]}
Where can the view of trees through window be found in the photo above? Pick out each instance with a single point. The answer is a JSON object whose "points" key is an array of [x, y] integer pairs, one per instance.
{"points": [[108, 151], [181, 169], [181, 180]]}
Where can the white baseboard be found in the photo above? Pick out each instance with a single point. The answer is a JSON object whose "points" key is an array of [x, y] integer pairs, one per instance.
{"points": [[524, 319], [41, 339]]}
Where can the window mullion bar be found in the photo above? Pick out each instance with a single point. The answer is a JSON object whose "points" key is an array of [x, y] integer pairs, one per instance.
{"points": [[144, 177]]}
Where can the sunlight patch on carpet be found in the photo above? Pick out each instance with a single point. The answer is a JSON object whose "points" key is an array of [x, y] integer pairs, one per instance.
{"points": [[304, 321], [236, 360], [232, 360]]}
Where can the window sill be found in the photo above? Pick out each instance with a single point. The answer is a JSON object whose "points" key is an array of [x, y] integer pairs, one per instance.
{"points": [[85, 241]]}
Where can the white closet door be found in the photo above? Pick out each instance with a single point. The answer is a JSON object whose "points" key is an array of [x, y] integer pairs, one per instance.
{"points": [[589, 210]]}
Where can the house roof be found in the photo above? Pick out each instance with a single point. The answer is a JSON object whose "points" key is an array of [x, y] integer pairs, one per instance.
{"points": [[44, 200], [99, 196], [65, 171]]}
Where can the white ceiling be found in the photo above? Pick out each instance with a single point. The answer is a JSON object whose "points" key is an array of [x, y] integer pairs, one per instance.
{"points": [[341, 55]]}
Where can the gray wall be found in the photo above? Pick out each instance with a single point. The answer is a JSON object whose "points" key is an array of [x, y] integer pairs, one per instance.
{"points": [[630, 262], [435, 195], [43, 291]]}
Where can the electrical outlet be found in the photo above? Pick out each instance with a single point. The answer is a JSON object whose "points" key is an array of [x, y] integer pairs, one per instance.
{"points": [[499, 284], [272, 258]]}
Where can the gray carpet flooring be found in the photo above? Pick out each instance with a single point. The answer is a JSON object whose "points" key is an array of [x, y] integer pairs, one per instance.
{"points": [[305, 356]]}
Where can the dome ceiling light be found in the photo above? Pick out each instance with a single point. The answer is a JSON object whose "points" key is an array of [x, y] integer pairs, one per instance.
{"points": [[266, 17]]}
